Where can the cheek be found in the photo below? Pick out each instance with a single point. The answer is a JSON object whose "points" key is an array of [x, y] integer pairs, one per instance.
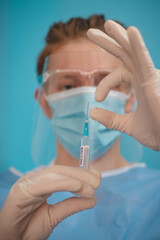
{"points": [[48, 111], [45, 107]]}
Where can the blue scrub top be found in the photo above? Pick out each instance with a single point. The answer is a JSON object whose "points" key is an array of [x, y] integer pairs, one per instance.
{"points": [[128, 207]]}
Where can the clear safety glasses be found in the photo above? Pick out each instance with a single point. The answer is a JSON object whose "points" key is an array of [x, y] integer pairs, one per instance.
{"points": [[65, 79], [69, 70]]}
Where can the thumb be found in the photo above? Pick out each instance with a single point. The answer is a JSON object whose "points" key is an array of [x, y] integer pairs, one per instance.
{"points": [[69, 206], [112, 120]]}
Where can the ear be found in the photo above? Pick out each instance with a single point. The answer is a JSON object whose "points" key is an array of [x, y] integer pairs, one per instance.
{"points": [[43, 103], [36, 93], [130, 103]]}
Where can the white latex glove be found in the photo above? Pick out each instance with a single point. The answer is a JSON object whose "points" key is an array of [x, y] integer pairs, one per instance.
{"points": [[138, 69], [27, 215]]}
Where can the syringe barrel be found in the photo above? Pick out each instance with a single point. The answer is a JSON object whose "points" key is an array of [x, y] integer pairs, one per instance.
{"points": [[85, 141], [84, 154]]}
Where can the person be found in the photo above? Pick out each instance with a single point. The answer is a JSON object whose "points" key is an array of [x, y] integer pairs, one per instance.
{"points": [[128, 197]]}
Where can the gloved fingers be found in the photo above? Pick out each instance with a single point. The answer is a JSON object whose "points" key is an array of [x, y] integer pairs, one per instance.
{"points": [[79, 188], [119, 34], [144, 61], [115, 79], [58, 178], [77, 173], [42, 188], [110, 45], [111, 120], [53, 182], [95, 172], [67, 207], [47, 175], [85, 191]]}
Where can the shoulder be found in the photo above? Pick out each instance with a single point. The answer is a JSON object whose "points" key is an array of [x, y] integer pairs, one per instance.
{"points": [[135, 174]]}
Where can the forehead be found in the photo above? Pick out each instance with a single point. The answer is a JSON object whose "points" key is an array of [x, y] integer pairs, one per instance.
{"points": [[81, 54]]}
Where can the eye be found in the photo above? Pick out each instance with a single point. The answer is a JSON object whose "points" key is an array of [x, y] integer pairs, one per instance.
{"points": [[67, 81], [68, 87]]}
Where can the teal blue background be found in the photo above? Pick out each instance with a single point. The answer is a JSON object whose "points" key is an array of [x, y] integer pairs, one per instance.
{"points": [[23, 26]]}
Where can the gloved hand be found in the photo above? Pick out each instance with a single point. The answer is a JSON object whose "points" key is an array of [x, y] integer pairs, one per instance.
{"points": [[137, 68], [26, 214]]}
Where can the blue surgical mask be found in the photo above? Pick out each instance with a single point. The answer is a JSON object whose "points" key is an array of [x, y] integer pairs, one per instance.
{"points": [[69, 114]]}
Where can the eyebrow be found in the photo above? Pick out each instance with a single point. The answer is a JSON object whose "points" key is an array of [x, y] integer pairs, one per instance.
{"points": [[69, 76]]}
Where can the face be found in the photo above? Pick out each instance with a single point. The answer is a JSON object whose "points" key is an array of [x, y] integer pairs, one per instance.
{"points": [[78, 63]]}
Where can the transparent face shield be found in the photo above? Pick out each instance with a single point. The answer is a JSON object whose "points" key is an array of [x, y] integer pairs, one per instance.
{"points": [[63, 72]]}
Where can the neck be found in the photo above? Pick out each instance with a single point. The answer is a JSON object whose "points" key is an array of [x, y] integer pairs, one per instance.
{"points": [[112, 159]]}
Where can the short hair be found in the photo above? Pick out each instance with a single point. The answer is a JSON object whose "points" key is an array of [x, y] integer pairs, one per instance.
{"points": [[60, 33]]}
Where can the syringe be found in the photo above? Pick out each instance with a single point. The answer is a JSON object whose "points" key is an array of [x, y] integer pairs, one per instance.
{"points": [[84, 153]]}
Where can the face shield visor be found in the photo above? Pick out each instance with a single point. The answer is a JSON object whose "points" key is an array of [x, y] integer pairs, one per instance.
{"points": [[62, 74]]}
